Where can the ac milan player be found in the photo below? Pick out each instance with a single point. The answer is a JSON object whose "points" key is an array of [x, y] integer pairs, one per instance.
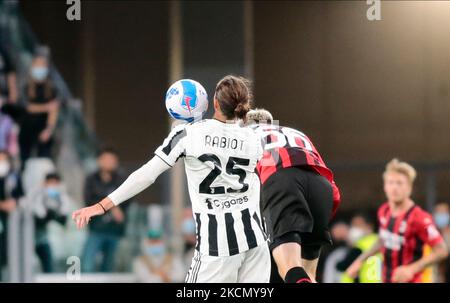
{"points": [[404, 230], [298, 198]]}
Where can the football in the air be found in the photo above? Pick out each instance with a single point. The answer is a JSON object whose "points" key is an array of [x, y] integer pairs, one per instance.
{"points": [[186, 100]]}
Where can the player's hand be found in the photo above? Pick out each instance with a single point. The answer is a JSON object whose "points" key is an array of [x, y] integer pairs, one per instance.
{"points": [[403, 274], [353, 270], [84, 215]]}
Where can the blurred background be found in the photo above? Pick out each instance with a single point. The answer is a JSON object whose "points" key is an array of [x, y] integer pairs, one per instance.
{"points": [[82, 107]]}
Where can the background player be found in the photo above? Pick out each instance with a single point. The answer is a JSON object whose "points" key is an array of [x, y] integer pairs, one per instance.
{"points": [[299, 197], [220, 160], [404, 230]]}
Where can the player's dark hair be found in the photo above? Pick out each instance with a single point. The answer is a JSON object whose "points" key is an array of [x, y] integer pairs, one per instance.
{"points": [[234, 96]]}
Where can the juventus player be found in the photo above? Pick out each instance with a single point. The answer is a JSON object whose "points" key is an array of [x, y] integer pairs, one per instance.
{"points": [[299, 197], [404, 230], [220, 160]]}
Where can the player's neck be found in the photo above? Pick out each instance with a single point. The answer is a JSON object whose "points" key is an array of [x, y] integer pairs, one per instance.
{"points": [[399, 208], [218, 116]]}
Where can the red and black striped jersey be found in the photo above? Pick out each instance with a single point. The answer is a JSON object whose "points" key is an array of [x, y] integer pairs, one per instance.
{"points": [[404, 237], [287, 147]]}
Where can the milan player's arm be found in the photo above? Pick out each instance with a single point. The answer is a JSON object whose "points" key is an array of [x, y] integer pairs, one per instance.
{"points": [[438, 253], [354, 268], [134, 184], [430, 235]]}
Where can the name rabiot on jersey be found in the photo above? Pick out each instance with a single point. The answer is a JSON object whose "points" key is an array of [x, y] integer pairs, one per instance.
{"points": [[220, 161]]}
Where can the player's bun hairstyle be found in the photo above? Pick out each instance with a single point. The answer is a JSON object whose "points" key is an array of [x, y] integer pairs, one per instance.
{"points": [[401, 167], [234, 95], [258, 115]]}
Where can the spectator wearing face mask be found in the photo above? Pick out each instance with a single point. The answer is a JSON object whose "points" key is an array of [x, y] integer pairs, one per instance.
{"points": [[10, 192], [49, 203], [156, 264], [441, 216], [38, 123], [361, 237], [105, 232]]}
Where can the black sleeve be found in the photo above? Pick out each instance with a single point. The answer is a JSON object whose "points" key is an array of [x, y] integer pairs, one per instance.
{"points": [[349, 258], [15, 111], [61, 219], [40, 222], [51, 216]]}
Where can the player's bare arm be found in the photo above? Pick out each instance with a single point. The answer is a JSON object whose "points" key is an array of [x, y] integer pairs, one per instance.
{"points": [[134, 184], [405, 273]]}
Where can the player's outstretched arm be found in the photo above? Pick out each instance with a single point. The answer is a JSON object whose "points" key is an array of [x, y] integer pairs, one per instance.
{"points": [[134, 184], [354, 268]]}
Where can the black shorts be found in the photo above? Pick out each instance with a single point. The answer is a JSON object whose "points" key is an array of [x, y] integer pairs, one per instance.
{"points": [[297, 205]]}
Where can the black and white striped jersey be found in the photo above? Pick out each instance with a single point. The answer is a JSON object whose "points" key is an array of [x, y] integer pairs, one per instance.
{"points": [[220, 160]]}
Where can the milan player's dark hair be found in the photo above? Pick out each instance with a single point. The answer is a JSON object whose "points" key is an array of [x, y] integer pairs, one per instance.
{"points": [[234, 96]]}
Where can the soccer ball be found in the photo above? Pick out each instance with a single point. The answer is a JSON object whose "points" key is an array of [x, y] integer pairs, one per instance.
{"points": [[186, 100]]}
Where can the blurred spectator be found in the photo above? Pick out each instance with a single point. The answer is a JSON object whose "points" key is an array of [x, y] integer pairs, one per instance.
{"points": [[39, 120], [50, 203], [441, 217], [8, 134], [340, 249], [8, 83], [8, 95], [361, 237], [10, 192], [189, 238], [156, 264], [105, 231]]}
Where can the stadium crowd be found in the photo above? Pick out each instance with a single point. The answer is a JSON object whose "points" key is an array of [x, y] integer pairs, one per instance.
{"points": [[28, 120]]}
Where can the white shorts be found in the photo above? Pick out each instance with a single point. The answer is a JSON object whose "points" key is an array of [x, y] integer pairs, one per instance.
{"points": [[252, 266]]}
